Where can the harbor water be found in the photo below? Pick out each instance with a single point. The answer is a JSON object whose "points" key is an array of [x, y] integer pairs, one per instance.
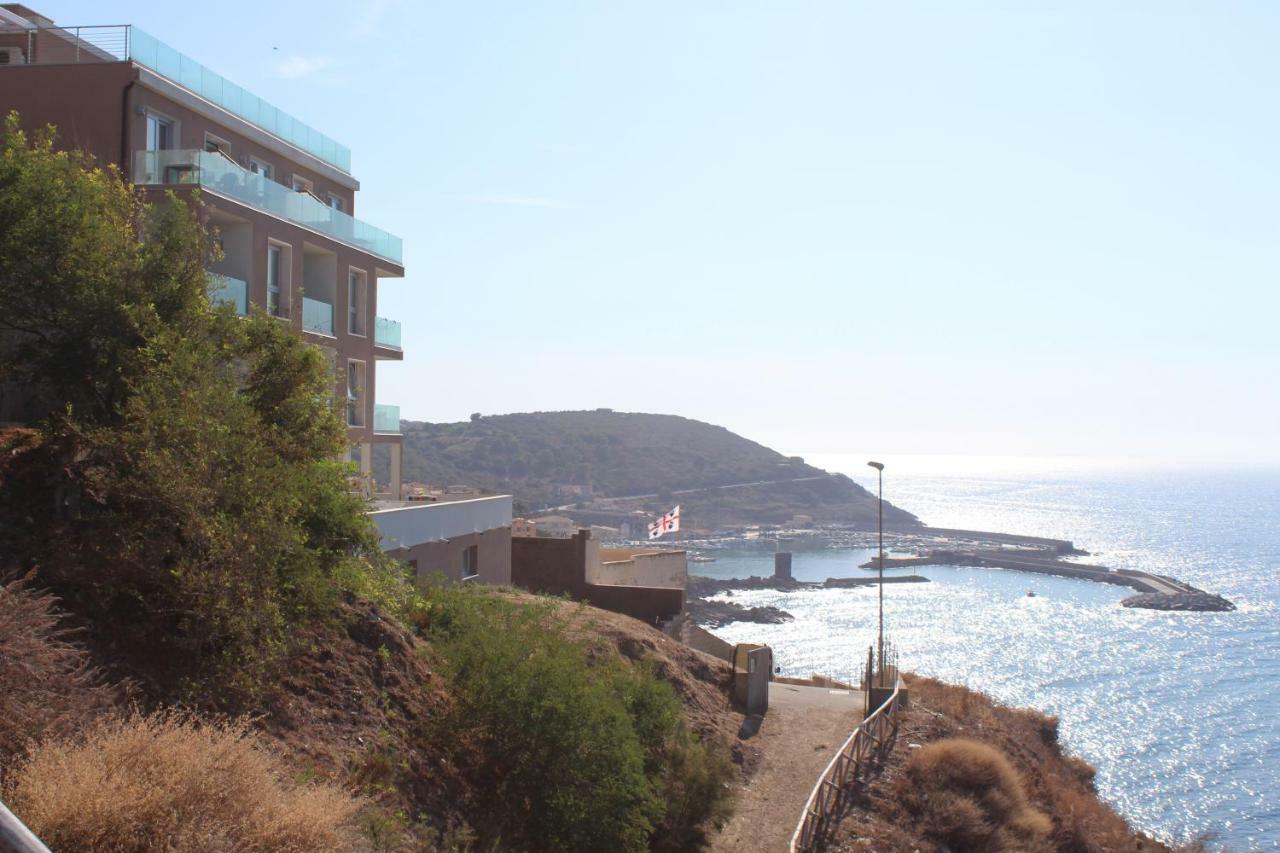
{"points": [[1179, 712]]}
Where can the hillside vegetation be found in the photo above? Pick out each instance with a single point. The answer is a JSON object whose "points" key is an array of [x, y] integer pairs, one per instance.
{"points": [[545, 458], [970, 774], [202, 645]]}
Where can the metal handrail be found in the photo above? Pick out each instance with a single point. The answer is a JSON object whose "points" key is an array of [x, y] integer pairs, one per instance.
{"points": [[14, 835], [826, 798]]}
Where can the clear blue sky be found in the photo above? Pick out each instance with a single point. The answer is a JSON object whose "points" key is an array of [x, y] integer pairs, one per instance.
{"points": [[989, 228]]}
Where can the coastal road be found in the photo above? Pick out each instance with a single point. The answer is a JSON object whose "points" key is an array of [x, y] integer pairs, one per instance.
{"points": [[797, 739]]}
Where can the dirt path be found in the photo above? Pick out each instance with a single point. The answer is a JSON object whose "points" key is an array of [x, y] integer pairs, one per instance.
{"points": [[803, 729]]}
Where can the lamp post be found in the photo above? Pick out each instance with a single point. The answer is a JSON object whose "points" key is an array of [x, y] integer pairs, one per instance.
{"points": [[879, 466]]}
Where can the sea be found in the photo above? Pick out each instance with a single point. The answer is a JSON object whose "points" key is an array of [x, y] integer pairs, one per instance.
{"points": [[1179, 712]]}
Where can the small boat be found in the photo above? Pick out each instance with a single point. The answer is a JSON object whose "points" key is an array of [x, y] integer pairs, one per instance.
{"points": [[1030, 594], [698, 558]]}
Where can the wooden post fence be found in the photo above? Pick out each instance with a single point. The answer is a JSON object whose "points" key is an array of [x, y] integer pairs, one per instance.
{"points": [[869, 741]]}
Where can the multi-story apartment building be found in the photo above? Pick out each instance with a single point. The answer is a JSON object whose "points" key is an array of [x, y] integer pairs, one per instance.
{"points": [[281, 198]]}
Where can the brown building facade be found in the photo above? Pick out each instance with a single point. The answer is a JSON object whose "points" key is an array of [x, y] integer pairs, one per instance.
{"points": [[278, 194]]}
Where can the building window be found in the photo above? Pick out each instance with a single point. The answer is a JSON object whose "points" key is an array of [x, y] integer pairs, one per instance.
{"points": [[356, 301], [277, 280], [160, 133], [470, 561], [355, 393], [216, 144], [337, 203], [259, 167], [301, 185]]}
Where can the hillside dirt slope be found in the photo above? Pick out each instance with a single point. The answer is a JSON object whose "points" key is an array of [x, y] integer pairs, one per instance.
{"points": [[1058, 785], [356, 703]]}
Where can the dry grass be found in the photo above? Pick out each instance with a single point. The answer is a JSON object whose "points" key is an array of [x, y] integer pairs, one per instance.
{"points": [[48, 686], [1057, 785], [171, 782], [968, 796]]}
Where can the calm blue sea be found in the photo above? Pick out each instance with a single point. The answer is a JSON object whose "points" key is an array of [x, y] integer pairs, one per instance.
{"points": [[1180, 713]]}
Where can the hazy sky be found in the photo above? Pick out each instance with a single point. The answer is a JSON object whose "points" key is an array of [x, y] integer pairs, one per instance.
{"points": [[989, 228]]}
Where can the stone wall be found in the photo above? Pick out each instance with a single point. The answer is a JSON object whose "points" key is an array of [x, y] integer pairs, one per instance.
{"points": [[560, 567], [621, 567]]}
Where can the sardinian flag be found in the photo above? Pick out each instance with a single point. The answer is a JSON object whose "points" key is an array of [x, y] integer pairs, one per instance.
{"points": [[669, 523]]}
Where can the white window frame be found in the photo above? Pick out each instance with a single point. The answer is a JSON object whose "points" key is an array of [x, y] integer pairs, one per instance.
{"points": [[359, 396], [261, 167], [340, 205], [284, 275], [159, 117], [308, 186], [353, 272], [220, 144]]}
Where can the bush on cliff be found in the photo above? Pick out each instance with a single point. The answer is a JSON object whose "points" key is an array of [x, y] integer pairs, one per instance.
{"points": [[48, 684], [175, 783], [967, 796], [183, 496], [580, 751]]}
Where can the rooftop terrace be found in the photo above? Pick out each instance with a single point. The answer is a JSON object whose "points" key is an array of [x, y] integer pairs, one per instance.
{"points": [[39, 44]]}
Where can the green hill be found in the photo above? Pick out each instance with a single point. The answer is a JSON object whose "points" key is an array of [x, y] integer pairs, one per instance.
{"points": [[555, 458]]}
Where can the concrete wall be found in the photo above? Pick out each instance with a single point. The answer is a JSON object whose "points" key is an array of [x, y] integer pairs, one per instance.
{"points": [[552, 566], [559, 567], [404, 526], [493, 551], [621, 566], [752, 672]]}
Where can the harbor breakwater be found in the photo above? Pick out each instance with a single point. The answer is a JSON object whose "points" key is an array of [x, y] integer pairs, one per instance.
{"points": [[1155, 592]]}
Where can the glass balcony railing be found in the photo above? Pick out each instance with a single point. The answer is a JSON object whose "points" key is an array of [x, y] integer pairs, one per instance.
{"points": [[386, 418], [386, 333], [317, 316], [224, 288], [215, 172], [147, 50]]}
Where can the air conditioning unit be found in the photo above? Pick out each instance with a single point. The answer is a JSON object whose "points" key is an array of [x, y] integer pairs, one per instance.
{"points": [[12, 56]]}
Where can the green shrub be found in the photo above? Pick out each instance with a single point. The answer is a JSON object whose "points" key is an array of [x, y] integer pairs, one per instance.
{"points": [[185, 497], [582, 751]]}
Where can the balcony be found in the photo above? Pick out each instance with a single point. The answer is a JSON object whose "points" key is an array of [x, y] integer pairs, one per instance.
{"points": [[317, 316], [218, 174], [224, 288], [386, 333], [386, 418]]}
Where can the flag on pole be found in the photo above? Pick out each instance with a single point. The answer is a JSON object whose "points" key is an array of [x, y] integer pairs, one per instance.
{"points": [[669, 523]]}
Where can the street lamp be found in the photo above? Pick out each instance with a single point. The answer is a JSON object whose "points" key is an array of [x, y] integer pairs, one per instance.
{"points": [[879, 466]]}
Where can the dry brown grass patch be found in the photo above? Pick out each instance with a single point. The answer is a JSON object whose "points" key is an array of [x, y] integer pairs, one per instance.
{"points": [[968, 796], [173, 782], [47, 683]]}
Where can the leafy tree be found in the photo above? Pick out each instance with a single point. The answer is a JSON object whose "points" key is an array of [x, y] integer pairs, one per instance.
{"points": [[185, 496]]}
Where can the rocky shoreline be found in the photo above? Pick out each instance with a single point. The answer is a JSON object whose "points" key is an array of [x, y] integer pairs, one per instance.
{"points": [[1197, 601], [716, 614]]}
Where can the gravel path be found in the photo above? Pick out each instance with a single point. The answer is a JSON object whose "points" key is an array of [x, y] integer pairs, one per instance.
{"points": [[802, 731]]}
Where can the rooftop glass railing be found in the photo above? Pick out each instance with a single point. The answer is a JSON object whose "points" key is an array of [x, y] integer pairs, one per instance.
{"points": [[224, 288], [386, 333], [46, 45], [386, 418], [216, 172], [147, 50], [317, 316]]}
